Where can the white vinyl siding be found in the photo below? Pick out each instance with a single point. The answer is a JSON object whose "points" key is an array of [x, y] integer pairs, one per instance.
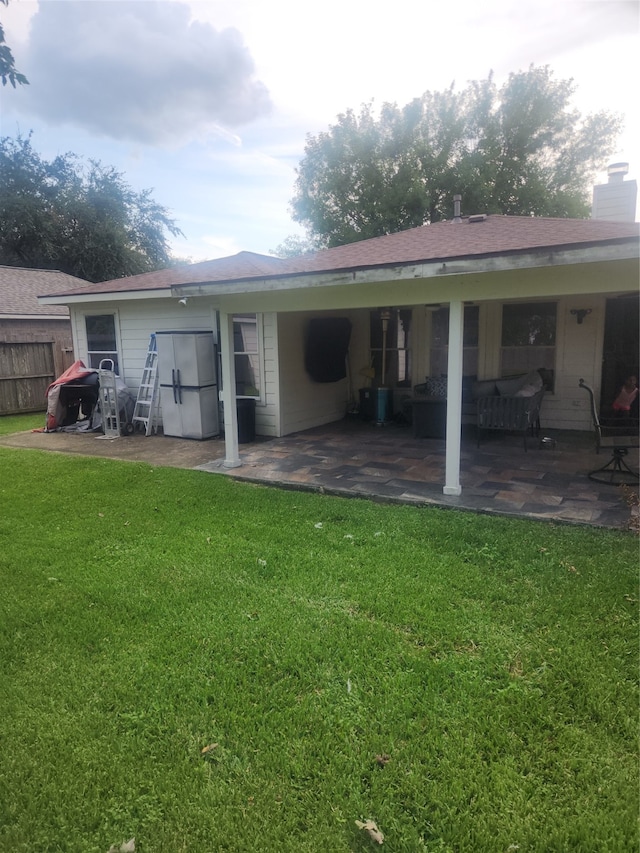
{"points": [[135, 320]]}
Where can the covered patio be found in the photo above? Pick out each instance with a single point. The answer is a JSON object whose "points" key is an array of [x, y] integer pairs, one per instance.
{"points": [[352, 458], [484, 298]]}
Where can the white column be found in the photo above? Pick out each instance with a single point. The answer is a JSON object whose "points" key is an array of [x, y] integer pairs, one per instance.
{"points": [[454, 399], [232, 456]]}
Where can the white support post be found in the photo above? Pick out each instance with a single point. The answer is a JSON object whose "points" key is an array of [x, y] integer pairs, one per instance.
{"points": [[454, 399], [232, 456]]}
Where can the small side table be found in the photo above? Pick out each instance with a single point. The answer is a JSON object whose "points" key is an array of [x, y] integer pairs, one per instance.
{"points": [[429, 417]]}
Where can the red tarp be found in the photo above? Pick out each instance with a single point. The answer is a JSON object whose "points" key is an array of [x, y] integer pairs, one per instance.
{"points": [[76, 373]]}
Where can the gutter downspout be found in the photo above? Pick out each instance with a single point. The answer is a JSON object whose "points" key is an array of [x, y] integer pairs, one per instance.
{"points": [[232, 456], [454, 400]]}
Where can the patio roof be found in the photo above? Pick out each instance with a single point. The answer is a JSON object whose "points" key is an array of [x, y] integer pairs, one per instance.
{"points": [[474, 239]]}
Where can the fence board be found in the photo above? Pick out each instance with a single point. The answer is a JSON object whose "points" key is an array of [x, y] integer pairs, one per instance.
{"points": [[26, 370]]}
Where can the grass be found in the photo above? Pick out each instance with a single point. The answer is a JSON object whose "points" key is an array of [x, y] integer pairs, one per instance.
{"points": [[469, 683], [21, 423]]}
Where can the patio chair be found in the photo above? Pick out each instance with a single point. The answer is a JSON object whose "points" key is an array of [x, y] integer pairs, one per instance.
{"points": [[511, 414], [616, 438]]}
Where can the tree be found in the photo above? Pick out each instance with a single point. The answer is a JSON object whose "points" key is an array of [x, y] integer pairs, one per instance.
{"points": [[521, 149], [80, 218], [8, 71], [294, 245]]}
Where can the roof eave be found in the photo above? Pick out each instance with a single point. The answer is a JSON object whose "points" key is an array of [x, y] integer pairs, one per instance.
{"points": [[104, 296], [478, 265], [25, 315]]}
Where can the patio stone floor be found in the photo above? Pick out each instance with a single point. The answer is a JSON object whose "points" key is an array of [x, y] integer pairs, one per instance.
{"points": [[385, 463]]}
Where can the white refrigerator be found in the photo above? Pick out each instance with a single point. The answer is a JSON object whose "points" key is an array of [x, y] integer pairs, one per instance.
{"points": [[188, 380]]}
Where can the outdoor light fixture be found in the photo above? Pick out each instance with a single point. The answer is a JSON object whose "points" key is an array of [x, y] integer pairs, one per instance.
{"points": [[580, 314], [182, 301]]}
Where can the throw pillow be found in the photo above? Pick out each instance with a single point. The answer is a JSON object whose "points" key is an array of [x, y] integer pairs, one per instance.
{"points": [[533, 379], [527, 391], [436, 386], [508, 387]]}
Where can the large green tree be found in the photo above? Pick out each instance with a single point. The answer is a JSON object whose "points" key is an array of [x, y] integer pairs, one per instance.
{"points": [[81, 218], [516, 149], [8, 71]]}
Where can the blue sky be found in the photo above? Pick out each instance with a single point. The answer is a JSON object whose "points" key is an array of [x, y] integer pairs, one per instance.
{"points": [[209, 102]]}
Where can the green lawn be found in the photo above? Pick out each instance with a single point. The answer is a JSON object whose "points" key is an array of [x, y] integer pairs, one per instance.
{"points": [[21, 423], [467, 682]]}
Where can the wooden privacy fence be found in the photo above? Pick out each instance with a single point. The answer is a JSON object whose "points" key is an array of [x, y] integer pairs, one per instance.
{"points": [[26, 370]]}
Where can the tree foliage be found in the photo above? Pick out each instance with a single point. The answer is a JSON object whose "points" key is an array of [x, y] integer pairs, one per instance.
{"points": [[8, 72], [518, 149], [295, 245], [80, 218]]}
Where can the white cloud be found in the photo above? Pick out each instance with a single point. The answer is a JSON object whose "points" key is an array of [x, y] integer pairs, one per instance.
{"points": [[138, 71], [131, 82]]}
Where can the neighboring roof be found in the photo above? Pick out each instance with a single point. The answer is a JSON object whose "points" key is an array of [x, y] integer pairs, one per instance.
{"points": [[242, 265], [20, 288], [472, 237]]}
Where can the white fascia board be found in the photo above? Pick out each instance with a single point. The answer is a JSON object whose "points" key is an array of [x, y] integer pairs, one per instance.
{"points": [[429, 270], [112, 296], [61, 318]]}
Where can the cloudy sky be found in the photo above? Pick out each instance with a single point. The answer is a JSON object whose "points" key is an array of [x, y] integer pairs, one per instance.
{"points": [[209, 102]]}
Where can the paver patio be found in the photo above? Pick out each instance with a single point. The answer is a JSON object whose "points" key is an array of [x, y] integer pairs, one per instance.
{"points": [[386, 463]]}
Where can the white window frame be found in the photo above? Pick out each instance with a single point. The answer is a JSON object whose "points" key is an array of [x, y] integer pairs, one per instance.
{"points": [[104, 353], [546, 353], [258, 353], [396, 355]]}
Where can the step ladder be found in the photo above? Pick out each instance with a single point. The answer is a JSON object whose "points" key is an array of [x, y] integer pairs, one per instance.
{"points": [[146, 408], [108, 399]]}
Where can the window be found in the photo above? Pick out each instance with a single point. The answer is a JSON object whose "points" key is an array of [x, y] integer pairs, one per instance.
{"points": [[397, 350], [101, 339], [247, 355], [440, 341], [528, 337]]}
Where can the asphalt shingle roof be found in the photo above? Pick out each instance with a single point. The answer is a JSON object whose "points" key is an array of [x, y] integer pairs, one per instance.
{"points": [[20, 288], [493, 235], [242, 265], [443, 241]]}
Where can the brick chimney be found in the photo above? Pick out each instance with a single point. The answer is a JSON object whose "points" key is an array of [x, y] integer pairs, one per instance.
{"points": [[615, 200]]}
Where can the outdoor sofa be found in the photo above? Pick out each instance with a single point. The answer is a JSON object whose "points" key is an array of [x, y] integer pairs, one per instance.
{"points": [[510, 404]]}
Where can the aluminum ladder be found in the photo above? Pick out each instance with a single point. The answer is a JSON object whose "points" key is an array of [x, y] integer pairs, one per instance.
{"points": [[108, 399], [146, 408]]}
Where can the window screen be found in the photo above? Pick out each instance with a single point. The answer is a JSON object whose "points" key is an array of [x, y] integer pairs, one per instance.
{"points": [[101, 339]]}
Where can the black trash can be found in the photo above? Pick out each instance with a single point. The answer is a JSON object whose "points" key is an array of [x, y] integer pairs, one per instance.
{"points": [[246, 407]]}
